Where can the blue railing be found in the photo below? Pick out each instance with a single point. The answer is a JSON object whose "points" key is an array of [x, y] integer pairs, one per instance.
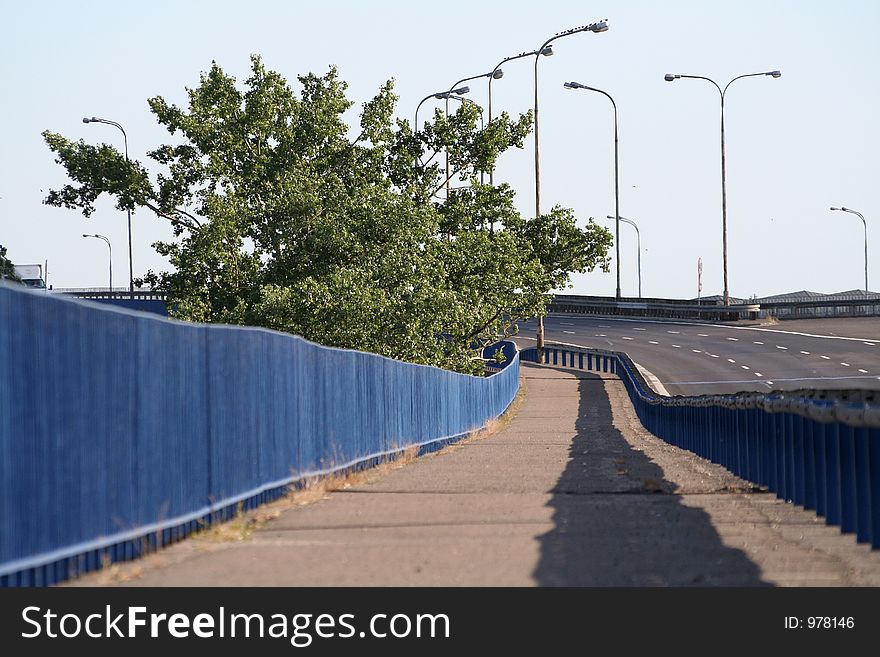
{"points": [[817, 449], [122, 431]]}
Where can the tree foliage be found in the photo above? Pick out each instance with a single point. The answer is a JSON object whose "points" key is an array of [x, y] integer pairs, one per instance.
{"points": [[7, 269], [281, 219]]}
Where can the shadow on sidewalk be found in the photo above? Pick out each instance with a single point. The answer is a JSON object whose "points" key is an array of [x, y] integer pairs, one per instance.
{"points": [[616, 521]]}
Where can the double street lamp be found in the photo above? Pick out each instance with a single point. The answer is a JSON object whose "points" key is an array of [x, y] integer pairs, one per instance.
{"points": [[862, 217], [110, 248], [578, 85], [669, 77], [95, 119]]}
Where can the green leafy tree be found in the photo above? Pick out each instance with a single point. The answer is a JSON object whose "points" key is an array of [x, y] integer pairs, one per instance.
{"points": [[7, 269], [282, 220]]}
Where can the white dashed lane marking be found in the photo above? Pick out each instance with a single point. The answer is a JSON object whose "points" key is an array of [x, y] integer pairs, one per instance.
{"points": [[702, 335], [805, 353], [569, 332], [826, 357], [652, 342], [756, 342], [745, 367], [845, 364], [870, 344], [784, 348], [758, 374], [730, 360], [677, 332], [626, 338], [714, 355], [639, 329], [696, 351], [677, 346], [863, 371], [733, 339]]}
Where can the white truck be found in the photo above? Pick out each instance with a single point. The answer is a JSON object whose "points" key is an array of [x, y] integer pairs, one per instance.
{"points": [[31, 276]]}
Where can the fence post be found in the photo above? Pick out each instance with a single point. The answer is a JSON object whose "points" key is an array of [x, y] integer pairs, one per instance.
{"points": [[807, 427], [874, 476], [778, 460], [820, 466], [863, 486], [847, 480], [797, 444], [832, 474]]}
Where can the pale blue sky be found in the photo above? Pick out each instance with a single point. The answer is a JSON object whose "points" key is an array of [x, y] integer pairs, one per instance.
{"points": [[795, 145]]}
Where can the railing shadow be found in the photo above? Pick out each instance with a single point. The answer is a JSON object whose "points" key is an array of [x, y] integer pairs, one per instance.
{"points": [[617, 522]]}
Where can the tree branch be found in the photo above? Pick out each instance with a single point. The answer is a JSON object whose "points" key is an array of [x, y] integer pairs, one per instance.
{"points": [[172, 218]]}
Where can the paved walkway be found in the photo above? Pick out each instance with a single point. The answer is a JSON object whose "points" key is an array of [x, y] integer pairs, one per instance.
{"points": [[572, 491]]}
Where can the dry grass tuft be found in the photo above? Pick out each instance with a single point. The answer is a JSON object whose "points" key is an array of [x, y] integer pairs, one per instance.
{"points": [[309, 491]]}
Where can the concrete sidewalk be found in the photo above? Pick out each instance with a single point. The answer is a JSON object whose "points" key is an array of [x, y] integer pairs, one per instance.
{"points": [[573, 491]]}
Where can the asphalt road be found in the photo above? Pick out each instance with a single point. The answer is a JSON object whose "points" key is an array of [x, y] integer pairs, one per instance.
{"points": [[696, 358]]}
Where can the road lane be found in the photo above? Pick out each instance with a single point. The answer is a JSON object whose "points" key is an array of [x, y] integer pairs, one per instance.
{"points": [[690, 358]]}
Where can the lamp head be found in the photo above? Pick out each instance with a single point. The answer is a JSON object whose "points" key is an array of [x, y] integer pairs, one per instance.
{"points": [[835, 208], [573, 85], [461, 90], [601, 26], [775, 74], [497, 74], [84, 235], [86, 120], [669, 77], [547, 50]]}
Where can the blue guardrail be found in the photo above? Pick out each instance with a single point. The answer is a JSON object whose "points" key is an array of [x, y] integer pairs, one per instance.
{"points": [[122, 431], [817, 449]]}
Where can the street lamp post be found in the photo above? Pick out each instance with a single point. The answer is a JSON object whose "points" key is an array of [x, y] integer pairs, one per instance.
{"points": [[547, 51], [439, 95], [865, 224], [638, 245], [110, 249], [600, 26], [497, 74], [464, 101], [578, 85], [669, 77], [95, 119]]}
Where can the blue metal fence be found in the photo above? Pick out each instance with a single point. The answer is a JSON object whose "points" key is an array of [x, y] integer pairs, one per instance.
{"points": [[817, 449], [121, 431]]}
